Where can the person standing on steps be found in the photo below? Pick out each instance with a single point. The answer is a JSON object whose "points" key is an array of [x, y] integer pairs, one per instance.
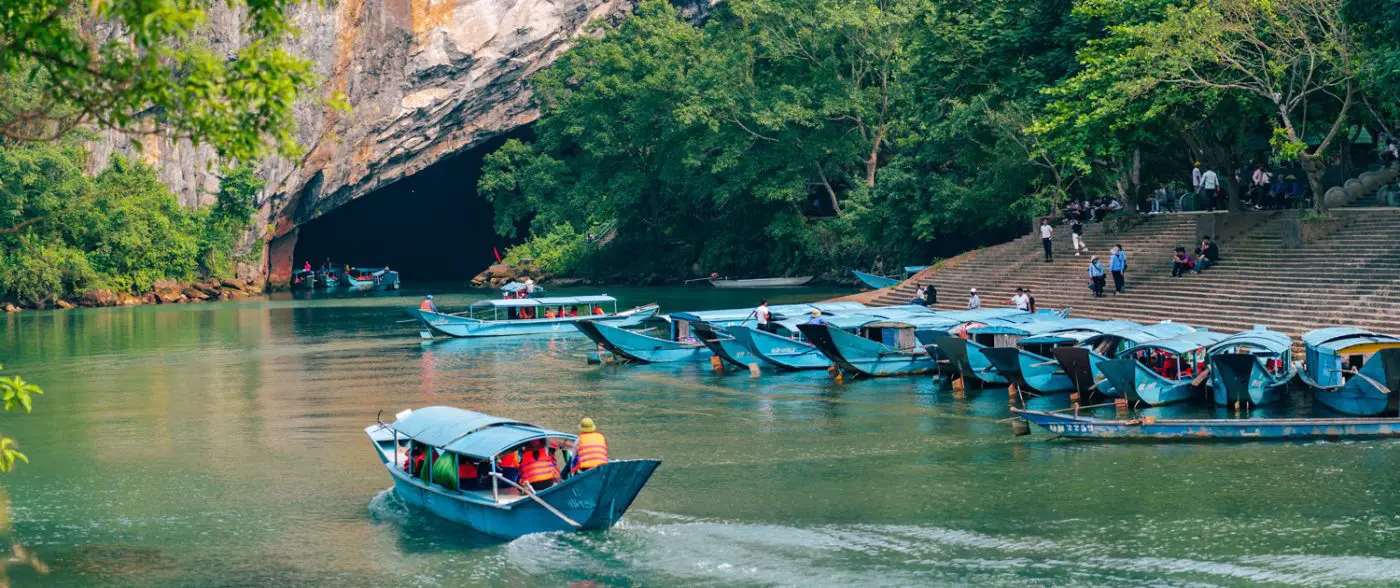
{"points": [[1210, 183], [1096, 279], [1117, 262], [763, 315], [1196, 179], [1046, 231], [974, 302], [1076, 232]]}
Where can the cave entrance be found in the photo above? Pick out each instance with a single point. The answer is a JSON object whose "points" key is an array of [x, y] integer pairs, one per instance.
{"points": [[431, 226]]}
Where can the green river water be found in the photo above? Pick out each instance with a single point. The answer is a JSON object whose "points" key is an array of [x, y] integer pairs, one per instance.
{"points": [[222, 445]]}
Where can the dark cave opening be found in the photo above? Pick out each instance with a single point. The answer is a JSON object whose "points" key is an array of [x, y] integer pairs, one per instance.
{"points": [[431, 226]]}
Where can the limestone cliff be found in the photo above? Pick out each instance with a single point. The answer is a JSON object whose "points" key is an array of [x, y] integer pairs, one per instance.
{"points": [[424, 79]]}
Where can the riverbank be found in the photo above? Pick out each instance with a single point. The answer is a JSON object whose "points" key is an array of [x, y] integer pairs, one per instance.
{"points": [[164, 292]]}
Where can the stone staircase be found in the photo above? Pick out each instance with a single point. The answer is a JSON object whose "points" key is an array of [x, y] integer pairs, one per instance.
{"points": [[1351, 276]]}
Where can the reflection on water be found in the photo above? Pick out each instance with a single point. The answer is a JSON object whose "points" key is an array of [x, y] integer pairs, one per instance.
{"points": [[222, 445]]}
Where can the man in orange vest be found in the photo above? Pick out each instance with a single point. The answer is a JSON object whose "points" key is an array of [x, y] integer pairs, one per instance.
{"points": [[427, 304], [537, 467], [592, 447]]}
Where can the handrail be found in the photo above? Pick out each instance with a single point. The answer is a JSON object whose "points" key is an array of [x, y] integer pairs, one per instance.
{"points": [[530, 492]]}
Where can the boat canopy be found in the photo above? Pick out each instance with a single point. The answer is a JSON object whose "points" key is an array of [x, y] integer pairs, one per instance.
{"points": [[1032, 326], [1079, 333], [914, 269], [779, 311], [1180, 344], [533, 302], [905, 317], [1162, 330], [469, 433], [1340, 338], [1259, 338]]}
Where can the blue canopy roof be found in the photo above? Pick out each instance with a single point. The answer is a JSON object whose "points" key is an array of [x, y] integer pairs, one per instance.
{"points": [[468, 432], [1077, 333], [779, 311], [1259, 338], [1162, 330], [1179, 344], [1030, 326], [1337, 338], [554, 301]]}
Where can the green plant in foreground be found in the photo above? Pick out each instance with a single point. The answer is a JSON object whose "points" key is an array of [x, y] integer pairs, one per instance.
{"points": [[16, 393]]}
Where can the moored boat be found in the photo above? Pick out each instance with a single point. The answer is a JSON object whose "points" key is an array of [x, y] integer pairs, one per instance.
{"points": [[963, 345], [530, 316], [450, 441], [515, 288], [1081, 362], [1152, 429], [1353, 371], [890, 342], [303, 279], [1030, 364], [736, 343], [679, 341], [363, 278], [1162, 371], [874, 281], [761, 282], [1251, 368]]}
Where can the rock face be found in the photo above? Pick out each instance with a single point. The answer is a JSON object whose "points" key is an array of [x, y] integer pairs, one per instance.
{"points": [[424, 79]]}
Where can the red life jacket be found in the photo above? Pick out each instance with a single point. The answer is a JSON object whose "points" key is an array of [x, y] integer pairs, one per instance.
{"points": [[538, 466]]}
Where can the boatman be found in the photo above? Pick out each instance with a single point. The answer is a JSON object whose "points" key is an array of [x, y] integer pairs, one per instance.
{"points": [[427, 304], [537, 466], [816, 318], [592, 447], [764, 315]]}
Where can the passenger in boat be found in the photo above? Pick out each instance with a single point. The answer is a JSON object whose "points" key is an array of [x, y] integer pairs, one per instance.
{"points": [[598, 311], [306, 266], [764, 315], [816, 318], [974, 302], [427, 304], [592, 447], [468, 474], [537, 467], [529, 287], [527, 313], [508, 464], [549, 313]]}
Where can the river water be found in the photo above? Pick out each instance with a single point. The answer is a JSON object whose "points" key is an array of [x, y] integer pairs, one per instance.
{"points": [[222, 445]]}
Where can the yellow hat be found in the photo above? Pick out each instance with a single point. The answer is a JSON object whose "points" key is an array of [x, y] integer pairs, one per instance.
{"points": [[586, 426], [816, 312]]}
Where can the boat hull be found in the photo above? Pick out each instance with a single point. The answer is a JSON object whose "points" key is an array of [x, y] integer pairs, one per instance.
{"points": [[1085, 428], [1242, 378], [388, 281], [1079, 366], [779, 351], [1141, 386], [641, 348], [456, 326], [763, 282], [1030, 372], [1360, 395], [861, 356], [966, 357], [596, 499], [724, 346], [875, 282]]}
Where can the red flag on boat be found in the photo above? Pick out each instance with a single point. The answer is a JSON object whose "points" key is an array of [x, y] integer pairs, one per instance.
{"points": [[498, 254]]}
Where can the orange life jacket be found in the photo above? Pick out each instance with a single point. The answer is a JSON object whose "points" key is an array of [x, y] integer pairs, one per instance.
{"points": [[426, 305], [509, 460], [538, 466], [592, 451]]}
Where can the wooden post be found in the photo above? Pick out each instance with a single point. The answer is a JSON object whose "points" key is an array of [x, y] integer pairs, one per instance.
{"points": [[753, 370]]}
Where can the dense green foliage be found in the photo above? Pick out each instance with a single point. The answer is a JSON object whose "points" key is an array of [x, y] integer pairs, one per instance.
{"points": [[787, 136], [58, 73], [121, 230]]}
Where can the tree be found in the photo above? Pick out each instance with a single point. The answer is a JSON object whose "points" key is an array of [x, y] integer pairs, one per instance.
{"points": [[135, 66], [1296, 56]]}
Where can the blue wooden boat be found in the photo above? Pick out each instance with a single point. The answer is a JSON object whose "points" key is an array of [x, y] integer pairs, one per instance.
{"points": [[1162, 371], [364, 278], [875, 282], [678, 341], [963, 345], [526, 316], [515, 288], [594, 499], [1081, 362], [1153, 429], [737, 345], [1353, 371], [329, 279], [1251, 368], [1030, 364], [893, 341], [303, 279]]}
